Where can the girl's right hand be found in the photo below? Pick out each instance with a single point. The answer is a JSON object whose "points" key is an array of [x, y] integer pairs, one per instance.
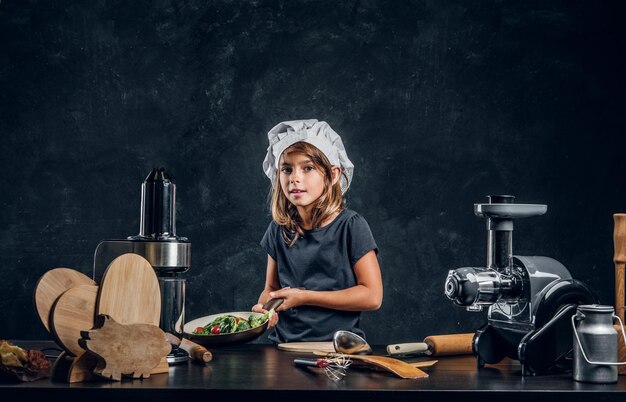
{"points": [[258, 308]]}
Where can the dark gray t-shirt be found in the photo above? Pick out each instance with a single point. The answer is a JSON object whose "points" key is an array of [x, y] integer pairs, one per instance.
{"points": [[320, 260]]}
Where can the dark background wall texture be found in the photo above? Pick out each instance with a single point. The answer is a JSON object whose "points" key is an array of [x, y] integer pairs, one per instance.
{"points": [[439, 104]]}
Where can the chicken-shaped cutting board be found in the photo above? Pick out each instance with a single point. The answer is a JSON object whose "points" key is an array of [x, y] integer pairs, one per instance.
{"points": [[127, 339]]}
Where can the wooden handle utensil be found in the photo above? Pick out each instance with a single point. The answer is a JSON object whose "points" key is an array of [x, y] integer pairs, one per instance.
{"points": [[436, 345], [196, 351], [619, 258]]}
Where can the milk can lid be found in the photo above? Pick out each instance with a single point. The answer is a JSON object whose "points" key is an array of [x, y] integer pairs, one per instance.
{"points": [[596, 308]]}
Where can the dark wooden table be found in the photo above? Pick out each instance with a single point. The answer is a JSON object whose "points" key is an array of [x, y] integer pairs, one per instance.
{"points": [[261, 372]]}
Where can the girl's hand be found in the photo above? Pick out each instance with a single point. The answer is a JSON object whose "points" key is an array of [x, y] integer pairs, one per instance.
{"points": [[258, 308], [294, 297]]}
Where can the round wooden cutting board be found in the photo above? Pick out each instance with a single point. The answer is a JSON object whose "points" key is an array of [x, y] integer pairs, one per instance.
{"points": [[129, 292], [307, 347], [73, 312], [53, 284]]}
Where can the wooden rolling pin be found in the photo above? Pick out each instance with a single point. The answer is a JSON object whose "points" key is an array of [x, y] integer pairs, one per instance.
{"points": [[197, 352], [436, 345], [619, 258]]}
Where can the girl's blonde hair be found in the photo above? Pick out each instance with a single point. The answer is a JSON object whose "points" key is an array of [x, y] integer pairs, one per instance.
{"points": [[331, 201]]}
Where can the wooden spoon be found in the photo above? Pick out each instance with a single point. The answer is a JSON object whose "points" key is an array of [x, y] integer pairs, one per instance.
{"points": [[129, 292], [53, 284]]}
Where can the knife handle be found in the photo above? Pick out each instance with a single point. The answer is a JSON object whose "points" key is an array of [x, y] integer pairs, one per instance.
{"points": [[407, 348], [306, 362], [273, 303]]}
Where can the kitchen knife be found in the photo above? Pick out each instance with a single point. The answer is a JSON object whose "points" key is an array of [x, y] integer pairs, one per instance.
{"points": [[436, 345]]}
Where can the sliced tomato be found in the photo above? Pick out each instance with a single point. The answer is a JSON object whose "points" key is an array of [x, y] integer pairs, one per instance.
{"points": [[215, 330]]}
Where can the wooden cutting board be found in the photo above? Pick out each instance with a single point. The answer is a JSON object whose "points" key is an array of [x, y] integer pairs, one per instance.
{"points": [[53, 284], [80, 369], [307, 347], [132, 349], [73, 312], [129, 292]]}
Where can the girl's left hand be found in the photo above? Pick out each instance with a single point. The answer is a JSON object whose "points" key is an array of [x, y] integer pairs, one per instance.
{"points": [[294, 297], [258, 308]]}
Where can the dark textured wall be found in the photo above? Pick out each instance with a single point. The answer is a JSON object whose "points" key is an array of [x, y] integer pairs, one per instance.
{"points": [[439, 103]]}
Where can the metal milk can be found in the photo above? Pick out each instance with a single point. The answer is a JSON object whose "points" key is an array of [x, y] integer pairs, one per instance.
{"points": [[595, 344]]}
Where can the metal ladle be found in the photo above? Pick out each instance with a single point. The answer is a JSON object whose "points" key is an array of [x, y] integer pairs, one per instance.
{"points": [[350, 343]]}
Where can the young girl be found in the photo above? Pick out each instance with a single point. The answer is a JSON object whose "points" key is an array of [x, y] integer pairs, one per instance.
{"points": [[322, 257]]}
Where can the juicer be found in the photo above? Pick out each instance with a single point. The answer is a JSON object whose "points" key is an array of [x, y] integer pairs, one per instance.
{"points": [[530, 299], [157, 242]]}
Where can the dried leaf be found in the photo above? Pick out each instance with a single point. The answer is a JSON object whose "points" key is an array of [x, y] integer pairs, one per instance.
{"points": [[25, 364]]}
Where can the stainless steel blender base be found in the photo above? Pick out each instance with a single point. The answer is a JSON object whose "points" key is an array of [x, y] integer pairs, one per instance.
{"points": [[169, 255]]}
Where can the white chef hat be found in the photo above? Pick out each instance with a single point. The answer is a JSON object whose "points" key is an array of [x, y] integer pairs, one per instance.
{"points": [[316, 133]]}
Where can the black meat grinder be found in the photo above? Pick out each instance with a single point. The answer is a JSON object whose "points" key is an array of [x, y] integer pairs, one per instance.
{"points": [[157, 242], [531, 299]]}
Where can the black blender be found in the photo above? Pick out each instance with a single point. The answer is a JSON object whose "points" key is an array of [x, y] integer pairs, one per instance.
{"points": [[157, 242], [531, 299]]}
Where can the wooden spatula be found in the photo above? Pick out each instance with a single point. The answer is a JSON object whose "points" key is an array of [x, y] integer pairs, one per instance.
{"points": [[73, 312], [53, 284], [424, 363], [129, 292], [398, 367]]}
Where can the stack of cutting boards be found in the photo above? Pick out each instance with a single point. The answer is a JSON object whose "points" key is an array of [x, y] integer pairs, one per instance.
{"points": [[75, 310]]}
